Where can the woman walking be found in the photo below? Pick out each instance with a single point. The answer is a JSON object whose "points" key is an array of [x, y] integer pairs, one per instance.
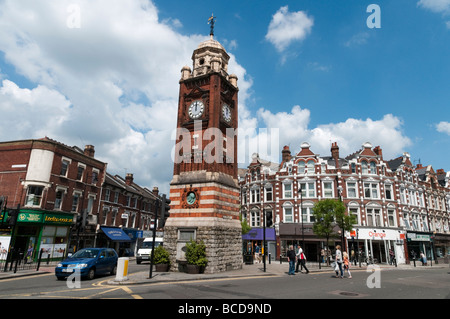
{"points": [[347, 264]]}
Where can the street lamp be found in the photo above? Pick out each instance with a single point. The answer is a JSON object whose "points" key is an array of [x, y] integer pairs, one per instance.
{"points": [[340, 189], [301, 215]]}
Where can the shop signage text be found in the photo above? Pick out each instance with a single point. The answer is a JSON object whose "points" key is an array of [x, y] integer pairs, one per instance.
{"points": [[377, 235]]}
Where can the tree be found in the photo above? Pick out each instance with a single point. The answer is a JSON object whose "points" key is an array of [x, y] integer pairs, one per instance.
{"points": [[245, 226], [344, 221], [328, 213]]}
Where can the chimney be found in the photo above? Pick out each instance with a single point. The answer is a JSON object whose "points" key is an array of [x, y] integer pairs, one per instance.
{"points": [[89, 150], [378, 151], [440, 171], [155, 191], [129, 179], [286, 154], [335, 153]]}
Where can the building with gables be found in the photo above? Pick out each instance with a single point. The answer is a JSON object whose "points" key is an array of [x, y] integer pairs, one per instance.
{"points": [[397, 206]]}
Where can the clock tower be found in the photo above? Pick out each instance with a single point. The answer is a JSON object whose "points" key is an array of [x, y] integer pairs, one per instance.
{"points": [[204, 191]]}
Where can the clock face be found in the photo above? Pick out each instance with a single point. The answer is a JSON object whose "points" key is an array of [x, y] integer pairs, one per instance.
{"points": [[196, 109], [226, 112]]}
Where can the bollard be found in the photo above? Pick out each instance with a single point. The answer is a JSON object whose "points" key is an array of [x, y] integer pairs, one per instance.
{"points": [[122, 269]]}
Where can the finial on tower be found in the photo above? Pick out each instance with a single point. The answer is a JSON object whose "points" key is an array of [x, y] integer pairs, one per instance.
{"points": [[211, 21]]}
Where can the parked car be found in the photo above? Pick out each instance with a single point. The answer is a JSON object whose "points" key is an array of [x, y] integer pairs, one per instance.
{"points": [[90, 262]]}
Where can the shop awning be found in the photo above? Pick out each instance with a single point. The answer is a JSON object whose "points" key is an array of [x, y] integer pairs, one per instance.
{"points": [[258, 234], [116, 234]]}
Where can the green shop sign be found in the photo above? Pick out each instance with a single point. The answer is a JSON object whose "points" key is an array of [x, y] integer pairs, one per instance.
{"points": [[44, 217]]}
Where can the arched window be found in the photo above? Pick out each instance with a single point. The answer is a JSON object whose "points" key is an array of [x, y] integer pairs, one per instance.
{"points": [[301, 167], [373, 168], [364, 167], [310, 167]]}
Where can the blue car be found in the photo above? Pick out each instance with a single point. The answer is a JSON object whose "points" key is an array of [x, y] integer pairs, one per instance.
{"points": [[89, 262]]}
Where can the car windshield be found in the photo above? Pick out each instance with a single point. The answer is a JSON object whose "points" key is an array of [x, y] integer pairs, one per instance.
{"points": [[149, 244], [86, 253]]}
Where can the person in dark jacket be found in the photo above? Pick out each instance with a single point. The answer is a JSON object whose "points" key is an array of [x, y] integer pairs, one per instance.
{"points": [[291, 258]]}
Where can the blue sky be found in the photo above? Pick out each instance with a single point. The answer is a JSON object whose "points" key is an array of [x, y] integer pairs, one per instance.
{"points": [[312, 69]]}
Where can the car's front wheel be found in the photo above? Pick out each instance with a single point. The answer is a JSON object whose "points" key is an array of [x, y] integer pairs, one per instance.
{"points": [[114, 270], [91, 274]]}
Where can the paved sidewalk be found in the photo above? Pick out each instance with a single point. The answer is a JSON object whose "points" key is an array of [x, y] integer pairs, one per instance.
{"points": [[273, 269], [253, 270]]}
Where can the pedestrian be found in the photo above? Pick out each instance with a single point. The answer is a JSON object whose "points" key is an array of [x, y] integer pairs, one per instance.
{"points": [[338, 267], [302, 260], [423, 258], [291, 258], [257, 252], [29, 255], [297, 257], [347, 264], [391, 256], [322, 256]]}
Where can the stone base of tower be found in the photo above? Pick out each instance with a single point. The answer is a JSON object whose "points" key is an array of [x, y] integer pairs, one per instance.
{"points": [[213, 217], [222, 237]]}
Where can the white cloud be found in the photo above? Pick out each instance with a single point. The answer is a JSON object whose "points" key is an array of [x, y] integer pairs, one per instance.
{"points": [[358, 39], [38, 111], [112, 83], [294, 129], [287, 27], [438, 6], [443, 127]]}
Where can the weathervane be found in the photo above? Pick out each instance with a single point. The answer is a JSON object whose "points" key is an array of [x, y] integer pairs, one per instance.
{"points": [[211, 21]]}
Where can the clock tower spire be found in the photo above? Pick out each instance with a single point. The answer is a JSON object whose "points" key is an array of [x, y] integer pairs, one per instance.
{"points": [[204, 191]]}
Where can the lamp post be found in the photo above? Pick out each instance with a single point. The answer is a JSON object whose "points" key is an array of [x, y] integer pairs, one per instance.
{"points": [[301, 215], [340, 189]]}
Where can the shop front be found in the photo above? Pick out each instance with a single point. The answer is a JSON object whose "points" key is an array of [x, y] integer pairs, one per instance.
{"points": [[442, 247], [298, 234], [113, 237], [376, 243], [255, 237], [42, 230], [419, 242]]}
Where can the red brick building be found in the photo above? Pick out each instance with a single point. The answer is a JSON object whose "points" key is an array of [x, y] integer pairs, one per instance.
{"points": [[396, 205], [52, 183]]}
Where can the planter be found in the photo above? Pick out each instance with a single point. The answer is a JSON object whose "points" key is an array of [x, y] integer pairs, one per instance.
{"points": [[192, 269], [162, 267]]}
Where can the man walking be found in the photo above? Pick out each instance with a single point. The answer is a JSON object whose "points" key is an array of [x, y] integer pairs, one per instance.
{"points": [[291, 258]]}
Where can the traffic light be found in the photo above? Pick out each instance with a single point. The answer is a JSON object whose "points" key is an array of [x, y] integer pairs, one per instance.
{"points": [[12, 217], [2, 208], [269, 219], [81, 220], [165, 207]]}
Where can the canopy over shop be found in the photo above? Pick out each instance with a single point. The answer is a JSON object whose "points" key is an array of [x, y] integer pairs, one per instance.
{"points": [[112, 237]]}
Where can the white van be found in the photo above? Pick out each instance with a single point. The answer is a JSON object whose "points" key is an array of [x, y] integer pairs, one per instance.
{"points": [[144, 253]]}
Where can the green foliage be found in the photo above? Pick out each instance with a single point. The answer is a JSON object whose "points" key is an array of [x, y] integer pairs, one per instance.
{"points": [[325, 212], [196, 253], [161, 256], [245, 226], [329, 213]]}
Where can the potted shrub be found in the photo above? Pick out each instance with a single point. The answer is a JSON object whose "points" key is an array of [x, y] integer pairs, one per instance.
{"points": [[161, 259], [195, 257]]}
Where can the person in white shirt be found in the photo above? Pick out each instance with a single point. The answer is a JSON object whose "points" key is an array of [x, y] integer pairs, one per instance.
{"points": [[338, 262], [301, 259]]}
